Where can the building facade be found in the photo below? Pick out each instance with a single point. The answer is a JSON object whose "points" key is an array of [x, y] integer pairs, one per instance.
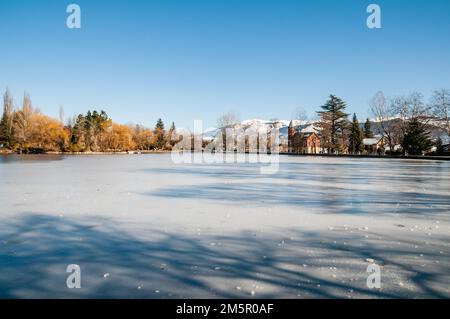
{"points": [[374, 145], [301, 142]]}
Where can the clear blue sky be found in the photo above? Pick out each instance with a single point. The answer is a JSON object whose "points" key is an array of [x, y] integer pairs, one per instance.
{"points": [[197, 59]]}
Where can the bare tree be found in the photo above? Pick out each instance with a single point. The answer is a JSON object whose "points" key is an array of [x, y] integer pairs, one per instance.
{"points": [[61, 115], [27, 107], [300, 114], [7, 102], [418, 108], [227, 120], [440, 104], [384, 118], [400, 109], [22, 122], [410, 108]]}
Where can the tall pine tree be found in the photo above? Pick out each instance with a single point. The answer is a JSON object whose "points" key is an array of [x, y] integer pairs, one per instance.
{"points": [[159, 125], [160, 134], [367, 129], [356, 137], [332, 123]]}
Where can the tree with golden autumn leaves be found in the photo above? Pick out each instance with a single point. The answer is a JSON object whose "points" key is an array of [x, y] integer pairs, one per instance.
{"points": [[27, 130]]}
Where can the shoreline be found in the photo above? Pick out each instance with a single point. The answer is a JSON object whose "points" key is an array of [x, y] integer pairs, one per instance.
{"points": [[415, 157], [85, 153], [406, 157]]}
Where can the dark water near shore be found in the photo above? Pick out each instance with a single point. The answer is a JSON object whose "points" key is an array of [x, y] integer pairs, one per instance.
{"points": [[11, 158]]}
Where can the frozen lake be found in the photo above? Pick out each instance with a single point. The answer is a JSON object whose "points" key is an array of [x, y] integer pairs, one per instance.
{"points": [[140, 226]]}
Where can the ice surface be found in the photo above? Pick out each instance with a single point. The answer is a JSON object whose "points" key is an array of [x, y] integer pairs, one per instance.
{"points": [[161, 230]]}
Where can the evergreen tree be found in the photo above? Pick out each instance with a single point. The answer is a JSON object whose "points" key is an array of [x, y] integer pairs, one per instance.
{"points": [[440, 149], [367, 129], [333, 121], [88, 131], [6, 120], [160, 134], [160, 125], [417, 139], [4, 136], [356, 137]]}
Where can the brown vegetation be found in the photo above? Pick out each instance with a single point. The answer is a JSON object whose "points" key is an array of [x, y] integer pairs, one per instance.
{"points": [[27, 130]]}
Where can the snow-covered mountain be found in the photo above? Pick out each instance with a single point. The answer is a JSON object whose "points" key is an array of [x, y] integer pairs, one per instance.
{"points": [[268, 125]]}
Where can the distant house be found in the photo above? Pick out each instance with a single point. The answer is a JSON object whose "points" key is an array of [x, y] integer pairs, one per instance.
{"points": [[303, 141], [374, 145], [396, 149]]}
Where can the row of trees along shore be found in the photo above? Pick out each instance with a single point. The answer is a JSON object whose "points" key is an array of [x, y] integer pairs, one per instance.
{"points": [[27, 130], [405, 121]]}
